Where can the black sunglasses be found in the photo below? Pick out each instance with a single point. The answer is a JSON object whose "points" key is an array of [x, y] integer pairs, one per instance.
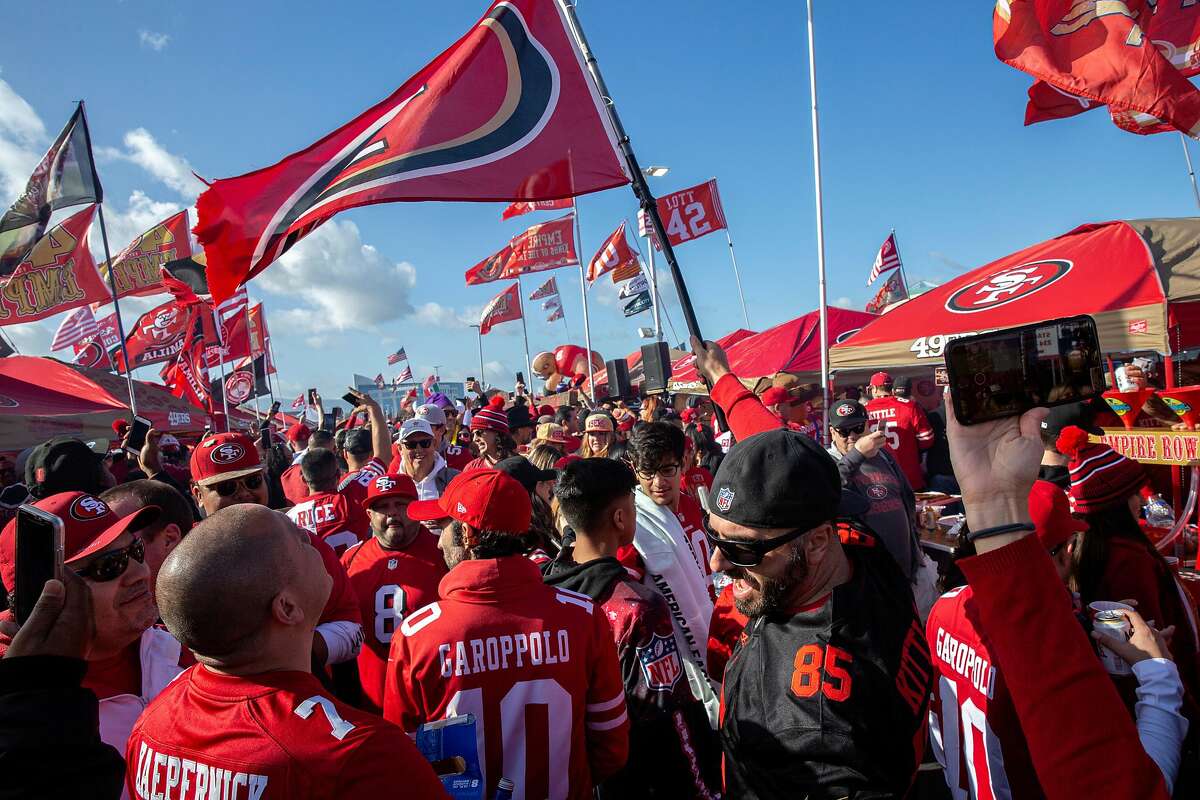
{"points": [[858, 429], [413, 444], [113, 564], [227, 488], [749, 554]]}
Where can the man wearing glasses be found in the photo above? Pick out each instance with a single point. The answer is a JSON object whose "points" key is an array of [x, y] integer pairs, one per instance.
{"points": [[129, 660], [226, 471], [421, 461]]}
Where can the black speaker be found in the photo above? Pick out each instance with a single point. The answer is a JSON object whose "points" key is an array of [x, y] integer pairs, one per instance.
{"points": [[618, 378], [656, 365]]}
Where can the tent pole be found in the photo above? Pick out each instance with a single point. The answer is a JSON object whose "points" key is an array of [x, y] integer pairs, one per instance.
{"points": [[1191, 172], [816, 141]]}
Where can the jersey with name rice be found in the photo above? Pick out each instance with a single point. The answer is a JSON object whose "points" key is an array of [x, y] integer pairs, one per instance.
{"points": [[908, 432], [537, 667], [276, 735], [332, 517], [389, 585]]}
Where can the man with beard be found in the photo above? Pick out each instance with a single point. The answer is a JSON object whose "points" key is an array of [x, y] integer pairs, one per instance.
{"points": [[827, 693], [393, 573]]}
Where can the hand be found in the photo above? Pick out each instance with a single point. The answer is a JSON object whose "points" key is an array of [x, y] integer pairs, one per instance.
{"points": [[1144, 641], [996, 464], [150, 460], [711, 361], [870, 444], [316, 398], [474, 387], [61, 622]]}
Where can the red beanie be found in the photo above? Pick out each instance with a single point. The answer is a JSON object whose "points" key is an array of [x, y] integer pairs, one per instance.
{"points": [[492, 417], [1101, 478]]}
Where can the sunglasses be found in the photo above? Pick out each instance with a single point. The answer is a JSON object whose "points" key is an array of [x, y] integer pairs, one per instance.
{"points": [[857, 429], [749, 554], [112, 565], [227, 488], [415, 444]]}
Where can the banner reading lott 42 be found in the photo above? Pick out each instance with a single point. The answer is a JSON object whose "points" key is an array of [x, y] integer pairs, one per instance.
{"points": [[687, 214]]}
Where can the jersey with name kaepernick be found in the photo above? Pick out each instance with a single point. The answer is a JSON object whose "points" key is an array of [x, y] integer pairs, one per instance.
{"points": [[332, 517], [536, 667], [976, 734], [267, 736], [390, 585], [908, 432], [830, 701]]}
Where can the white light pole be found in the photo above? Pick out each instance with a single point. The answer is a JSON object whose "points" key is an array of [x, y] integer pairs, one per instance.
{"points": [[654, 172]]}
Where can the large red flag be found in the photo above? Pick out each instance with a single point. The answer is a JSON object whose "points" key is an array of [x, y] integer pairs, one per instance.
{"points": [[522, 207], [137, 267], [687, 214], [508, 112], [505, 307], [56, 275], [613, 254], [158, 335], [549, 245], [188, 377], [1100, 52]]}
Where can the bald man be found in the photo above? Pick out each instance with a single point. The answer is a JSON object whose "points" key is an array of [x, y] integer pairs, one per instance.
{"points": [[244, 591]]}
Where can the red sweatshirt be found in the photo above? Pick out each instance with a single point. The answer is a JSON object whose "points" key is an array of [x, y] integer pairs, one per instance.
{"points": [[745, 412]]}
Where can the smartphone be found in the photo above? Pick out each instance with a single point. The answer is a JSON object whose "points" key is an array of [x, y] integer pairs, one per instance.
{"points": [[350, 399], [264, 437], [471, 379], [137, 434], [39, 556], [520, 377], [1007, 372], [274, 410], [312, 397]]}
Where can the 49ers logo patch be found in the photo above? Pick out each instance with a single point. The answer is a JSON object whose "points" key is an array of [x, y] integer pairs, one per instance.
{"points": [[660, 663], [384, 483], [1007, 286], [227, 453], [87, 508]]}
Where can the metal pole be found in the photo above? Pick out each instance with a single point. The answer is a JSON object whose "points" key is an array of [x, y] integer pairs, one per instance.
{"points": [[816, 137], [737, 277], [654, 288], [221, 360], [479, 336], [1191, 172], [524, 330], [583, 287]]}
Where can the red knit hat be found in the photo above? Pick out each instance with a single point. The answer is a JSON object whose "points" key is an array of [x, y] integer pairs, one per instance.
{"points": [[1101, 478], [492, 417]]}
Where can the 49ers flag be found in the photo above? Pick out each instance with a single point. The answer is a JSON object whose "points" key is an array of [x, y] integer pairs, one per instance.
{"points": [[505, 307], [613, 254], [517, 209], [506, 113], [158, 335], [1097, 51], [549, 245], [137, 268], [687, 214]]}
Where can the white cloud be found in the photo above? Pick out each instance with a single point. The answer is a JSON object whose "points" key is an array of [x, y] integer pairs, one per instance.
{"points": [[143, 149], [436, 315], [155, 41], [22, 142], [345, 284], [842, 302]]}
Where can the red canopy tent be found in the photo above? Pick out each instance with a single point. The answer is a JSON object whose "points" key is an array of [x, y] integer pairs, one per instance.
{"points": [[40, 398], [166, 412], [793, 347], [1139, 279]]}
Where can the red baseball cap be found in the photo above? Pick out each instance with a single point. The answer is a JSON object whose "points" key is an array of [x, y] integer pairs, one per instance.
{"points": [[1050, 511], [881, 379], [486, 499], [775, 395], [390, 485], [89, 526], [223, 457], [298, 433]]}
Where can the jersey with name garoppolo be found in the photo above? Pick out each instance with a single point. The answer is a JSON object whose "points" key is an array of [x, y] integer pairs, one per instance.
{"points": [[536, 666], [334, 518], [908, 432], [389, 585], [267, 736], [976, 734]]}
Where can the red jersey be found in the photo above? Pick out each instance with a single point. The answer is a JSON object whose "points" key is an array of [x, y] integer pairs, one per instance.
{"points": [[390, 585], [536, 666], [273, 735], [697, 480], [294, 487], [341, 605], [332, 517], [354, 485], [908, 432], [976, 734]]}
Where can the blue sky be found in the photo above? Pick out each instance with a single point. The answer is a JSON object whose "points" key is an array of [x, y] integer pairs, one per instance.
{"points": [[921, 131]]}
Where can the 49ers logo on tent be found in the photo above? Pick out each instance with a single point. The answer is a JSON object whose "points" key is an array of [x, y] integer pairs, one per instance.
{"points": [[1007, 286]]}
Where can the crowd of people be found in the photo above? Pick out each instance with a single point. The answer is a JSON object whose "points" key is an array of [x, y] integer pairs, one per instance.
{"points": [[625, 599]]}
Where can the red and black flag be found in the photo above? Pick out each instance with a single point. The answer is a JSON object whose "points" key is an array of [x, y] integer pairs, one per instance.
{"points": [[508, 112]]}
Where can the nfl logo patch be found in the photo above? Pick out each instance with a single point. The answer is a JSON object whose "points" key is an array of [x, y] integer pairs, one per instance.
{"points": [[724, 498], [393, 563], [660, 663]]}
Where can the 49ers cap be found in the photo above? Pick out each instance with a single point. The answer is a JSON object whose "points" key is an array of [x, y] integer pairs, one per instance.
{"points": [[847, 414], [390, 485], [223, 457], [485, 499], [89, 526], [781, 479]]}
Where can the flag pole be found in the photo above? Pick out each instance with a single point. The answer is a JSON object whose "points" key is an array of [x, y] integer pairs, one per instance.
{"points": [[658, 334], [1191, 173], [112, 278], [644, 260], [524, 330], [737, 276], [903, 277], [821, 292], [583, 287], [221, 363], [479, 336]]}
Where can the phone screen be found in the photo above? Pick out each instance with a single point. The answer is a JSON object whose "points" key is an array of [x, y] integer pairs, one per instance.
{"points": [[137, 434], [38, 550], [1006, 373], [312, 397], [274, 409]]}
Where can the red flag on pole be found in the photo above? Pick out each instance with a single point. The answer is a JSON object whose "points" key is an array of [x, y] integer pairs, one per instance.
{"points": [[158, 335], [547, 289], [893, 290], [519, 208], [298, 402], [1096, 51], [506, 113], [613, 254], [505, 307], [687, 214], [886, 260], [76, 327], [548, 245], [136, 268]]}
